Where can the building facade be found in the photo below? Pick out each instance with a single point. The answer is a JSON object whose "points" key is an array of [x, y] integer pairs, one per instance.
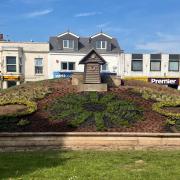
{"points": [[22, 62], [67, 49], [32, 61]]}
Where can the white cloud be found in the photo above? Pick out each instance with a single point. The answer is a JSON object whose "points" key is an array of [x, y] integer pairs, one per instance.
{"points": [[86, 14], [160, 47], [166, 43], [39, 13]]}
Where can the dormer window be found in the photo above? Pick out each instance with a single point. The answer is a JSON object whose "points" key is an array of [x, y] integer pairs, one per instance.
{"points": [[101, 44], [68, 44]]}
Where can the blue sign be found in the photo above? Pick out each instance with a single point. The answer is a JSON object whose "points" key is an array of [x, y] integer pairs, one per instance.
{"points": [[66, 74], [58, 74]]}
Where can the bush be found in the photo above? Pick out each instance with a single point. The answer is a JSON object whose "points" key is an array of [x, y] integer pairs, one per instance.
{"points": [[25, 94], [148, 93], [23, 122], [31, 106], [158, 107]]}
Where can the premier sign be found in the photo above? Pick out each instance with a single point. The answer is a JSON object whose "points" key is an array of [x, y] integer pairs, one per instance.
{"points": [[164, 81]]}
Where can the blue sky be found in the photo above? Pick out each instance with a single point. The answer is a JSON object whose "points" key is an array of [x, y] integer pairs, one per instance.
{"points": [[139, 25]]}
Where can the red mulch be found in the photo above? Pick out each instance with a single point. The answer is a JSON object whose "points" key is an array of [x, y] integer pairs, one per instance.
{"points": [[152, 122]]}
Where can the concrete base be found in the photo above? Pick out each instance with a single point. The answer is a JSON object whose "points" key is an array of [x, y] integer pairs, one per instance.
{"points": [[92, 87], [90, 141]]}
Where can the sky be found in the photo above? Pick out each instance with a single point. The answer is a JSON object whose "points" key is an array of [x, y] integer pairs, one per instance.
{"points": [[139, 25]]}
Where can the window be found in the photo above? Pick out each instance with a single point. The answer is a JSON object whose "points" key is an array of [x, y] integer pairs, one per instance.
{"points": [[101, 44], [174, 62], [68, 44], [11, 63], [70, 66], [173, 65], [137, 62], [155, 63], [38, 66], [104, 67]]}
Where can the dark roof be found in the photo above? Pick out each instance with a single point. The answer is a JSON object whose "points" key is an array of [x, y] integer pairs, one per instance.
{"points": [[85, 59], [84, 45]]}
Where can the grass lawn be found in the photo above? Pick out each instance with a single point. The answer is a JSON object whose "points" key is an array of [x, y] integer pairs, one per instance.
{"points": [[85, 165]]}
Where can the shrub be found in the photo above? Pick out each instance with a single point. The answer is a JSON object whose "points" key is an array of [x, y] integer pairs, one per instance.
{"points": [[23, 122], [31, 106], [158, 107], [148, 93], [25, 94]]}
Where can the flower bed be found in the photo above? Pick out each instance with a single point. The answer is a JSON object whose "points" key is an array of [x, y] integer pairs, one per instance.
{"points": [[31, 107], [103, 110], [165, 98]]}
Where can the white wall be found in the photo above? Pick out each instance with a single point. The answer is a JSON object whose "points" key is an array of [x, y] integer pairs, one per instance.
{"points": [[125, 61], [55, 60], [29, 51]]}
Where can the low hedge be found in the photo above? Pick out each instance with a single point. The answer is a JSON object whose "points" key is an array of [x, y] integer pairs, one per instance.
{"points": [[148, 93], [31, 106], [158, 107]]}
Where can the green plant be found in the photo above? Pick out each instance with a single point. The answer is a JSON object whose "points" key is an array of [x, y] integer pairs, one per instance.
{"points": [[159, 107], [23, 122], [97, 107], [25, 94], [171, 122], [31, 106], [152, 94]]}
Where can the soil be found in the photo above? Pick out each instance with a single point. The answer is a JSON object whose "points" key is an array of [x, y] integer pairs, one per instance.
{"points": [[40, 122], [11, 109]]}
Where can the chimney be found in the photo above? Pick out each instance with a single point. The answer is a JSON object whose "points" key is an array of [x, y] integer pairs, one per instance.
{"points": [[1, 37]]}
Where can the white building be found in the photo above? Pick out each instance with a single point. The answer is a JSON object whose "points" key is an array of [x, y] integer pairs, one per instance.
{"points": [[22, 61], [67, 49], [32, 61]]}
